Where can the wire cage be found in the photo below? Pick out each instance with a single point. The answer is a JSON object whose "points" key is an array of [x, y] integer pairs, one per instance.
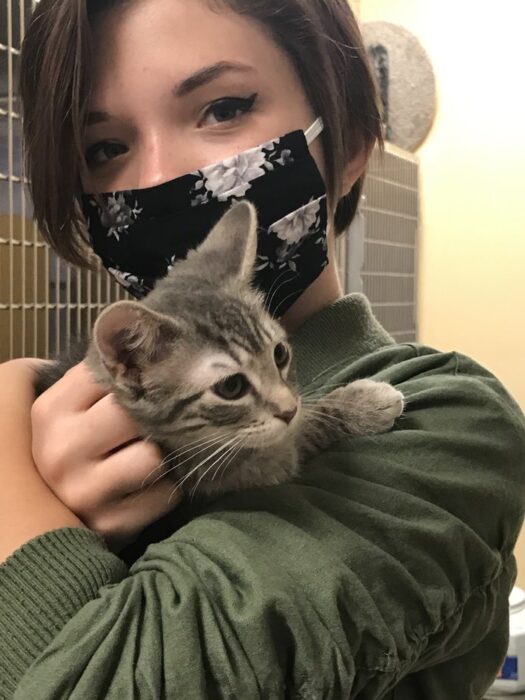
{"points": [[379, 254], [43, 300]]}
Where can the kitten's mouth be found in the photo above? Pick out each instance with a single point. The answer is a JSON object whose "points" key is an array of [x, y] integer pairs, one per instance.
{"points": [[270, 436]]}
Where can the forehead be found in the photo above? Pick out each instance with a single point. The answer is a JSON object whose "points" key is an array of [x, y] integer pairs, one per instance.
{"points": [[232, 348], [229, 325], [179, 37]]}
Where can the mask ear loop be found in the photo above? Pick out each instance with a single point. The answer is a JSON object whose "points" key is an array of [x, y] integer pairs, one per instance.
{"points": [[313, 131]]}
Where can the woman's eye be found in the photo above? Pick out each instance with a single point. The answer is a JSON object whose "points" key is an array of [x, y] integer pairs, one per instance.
{"points": [[281, 355], [232, 388], [100, 153], [228, 109]]}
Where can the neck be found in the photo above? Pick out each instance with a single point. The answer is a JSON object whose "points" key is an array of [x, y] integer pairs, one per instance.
{"points": [[324, 291]]}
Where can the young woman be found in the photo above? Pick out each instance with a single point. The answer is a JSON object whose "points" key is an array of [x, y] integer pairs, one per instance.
{"points": [[384, 571]]}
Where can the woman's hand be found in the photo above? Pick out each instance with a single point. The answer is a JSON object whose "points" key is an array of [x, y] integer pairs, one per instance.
{"points": [[79, 448], [28, 508]]}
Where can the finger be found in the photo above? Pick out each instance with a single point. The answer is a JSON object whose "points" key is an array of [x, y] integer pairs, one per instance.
{"points": [[77, 390], [105, 427], [142, 466], [131, 469], [102, 487], [149, 505]]}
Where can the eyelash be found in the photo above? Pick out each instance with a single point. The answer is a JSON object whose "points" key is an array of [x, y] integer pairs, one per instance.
{"points": [[242, 104], [238, 104]]}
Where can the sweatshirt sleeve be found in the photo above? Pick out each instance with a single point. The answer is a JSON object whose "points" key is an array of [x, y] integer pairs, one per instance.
{"points": [[391, 554]]}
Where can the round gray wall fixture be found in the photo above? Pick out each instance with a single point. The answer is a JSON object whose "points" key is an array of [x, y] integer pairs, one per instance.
{"points": [[406, 82]]}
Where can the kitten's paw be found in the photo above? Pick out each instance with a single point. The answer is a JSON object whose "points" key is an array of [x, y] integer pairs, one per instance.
{"points": [[380, 403]]}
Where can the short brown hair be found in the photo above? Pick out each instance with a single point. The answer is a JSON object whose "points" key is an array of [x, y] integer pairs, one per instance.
{"points": [[321, 37]]}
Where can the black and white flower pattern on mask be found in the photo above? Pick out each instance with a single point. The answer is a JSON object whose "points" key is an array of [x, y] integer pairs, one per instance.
{"points": [[232, 178], [293, 229], [170, 262], [118, 214], [131, 283], [140, 234], [298, 224]]}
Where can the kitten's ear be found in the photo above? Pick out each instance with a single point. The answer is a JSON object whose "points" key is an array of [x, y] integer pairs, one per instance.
{"points": [[129, 337], [231, 246]]}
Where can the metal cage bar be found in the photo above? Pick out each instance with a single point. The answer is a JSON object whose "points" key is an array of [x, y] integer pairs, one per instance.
{"points": [[382, 244], [44, 302]]}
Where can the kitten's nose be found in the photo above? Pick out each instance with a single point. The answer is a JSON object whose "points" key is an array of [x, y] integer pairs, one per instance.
{"points": [[287, 416]]}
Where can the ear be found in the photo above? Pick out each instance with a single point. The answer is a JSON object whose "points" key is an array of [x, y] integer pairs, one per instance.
{"points": [[355, 169], [231, 246], [129, 337]]}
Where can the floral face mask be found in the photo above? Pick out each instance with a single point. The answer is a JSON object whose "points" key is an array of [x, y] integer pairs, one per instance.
{"points": [[139, 234]]}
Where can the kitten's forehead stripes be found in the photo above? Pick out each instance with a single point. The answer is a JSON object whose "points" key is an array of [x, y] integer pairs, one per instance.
{"points": [[266, 333], [236, 324], [221, 365], [209, 333]]}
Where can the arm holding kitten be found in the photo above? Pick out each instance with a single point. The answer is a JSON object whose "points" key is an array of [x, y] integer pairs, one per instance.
{"points": [[28, 507]]}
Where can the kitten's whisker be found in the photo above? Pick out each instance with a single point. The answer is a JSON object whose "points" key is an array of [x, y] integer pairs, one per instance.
{"points": [[350, 428], [297, 291], [219, 459], [198, 466], [327, 418], [222, 447], [334, 384], [276, 280], [195, 443], [227, 464], [331, 387], [286, 281], [274, 283], [232, 451], [144, 489], [336, 401], [194, 489], [224, 456], [169, 458], [179, 483], [326, 399], [210, 443], [194, 446], [205, 443]]}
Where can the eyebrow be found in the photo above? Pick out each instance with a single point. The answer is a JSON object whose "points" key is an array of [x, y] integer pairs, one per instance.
{"points": [[198, 79], [97, 117], [207, 74]]}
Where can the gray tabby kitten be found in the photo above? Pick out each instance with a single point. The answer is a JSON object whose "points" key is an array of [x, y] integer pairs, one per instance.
{"points": [[203, 369]]}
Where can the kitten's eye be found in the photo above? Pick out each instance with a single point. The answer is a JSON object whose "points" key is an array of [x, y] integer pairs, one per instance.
{"points": [[232, 388], [281, 355]]}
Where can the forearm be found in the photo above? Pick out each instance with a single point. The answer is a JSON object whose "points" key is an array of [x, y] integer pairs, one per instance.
{"points": [[28, 507]]}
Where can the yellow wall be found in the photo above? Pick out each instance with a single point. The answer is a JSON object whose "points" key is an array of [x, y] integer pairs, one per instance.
{"points": [[472, 259]]}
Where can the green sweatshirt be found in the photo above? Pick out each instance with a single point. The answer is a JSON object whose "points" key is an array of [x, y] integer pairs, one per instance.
{"points": [[382, 572]]}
